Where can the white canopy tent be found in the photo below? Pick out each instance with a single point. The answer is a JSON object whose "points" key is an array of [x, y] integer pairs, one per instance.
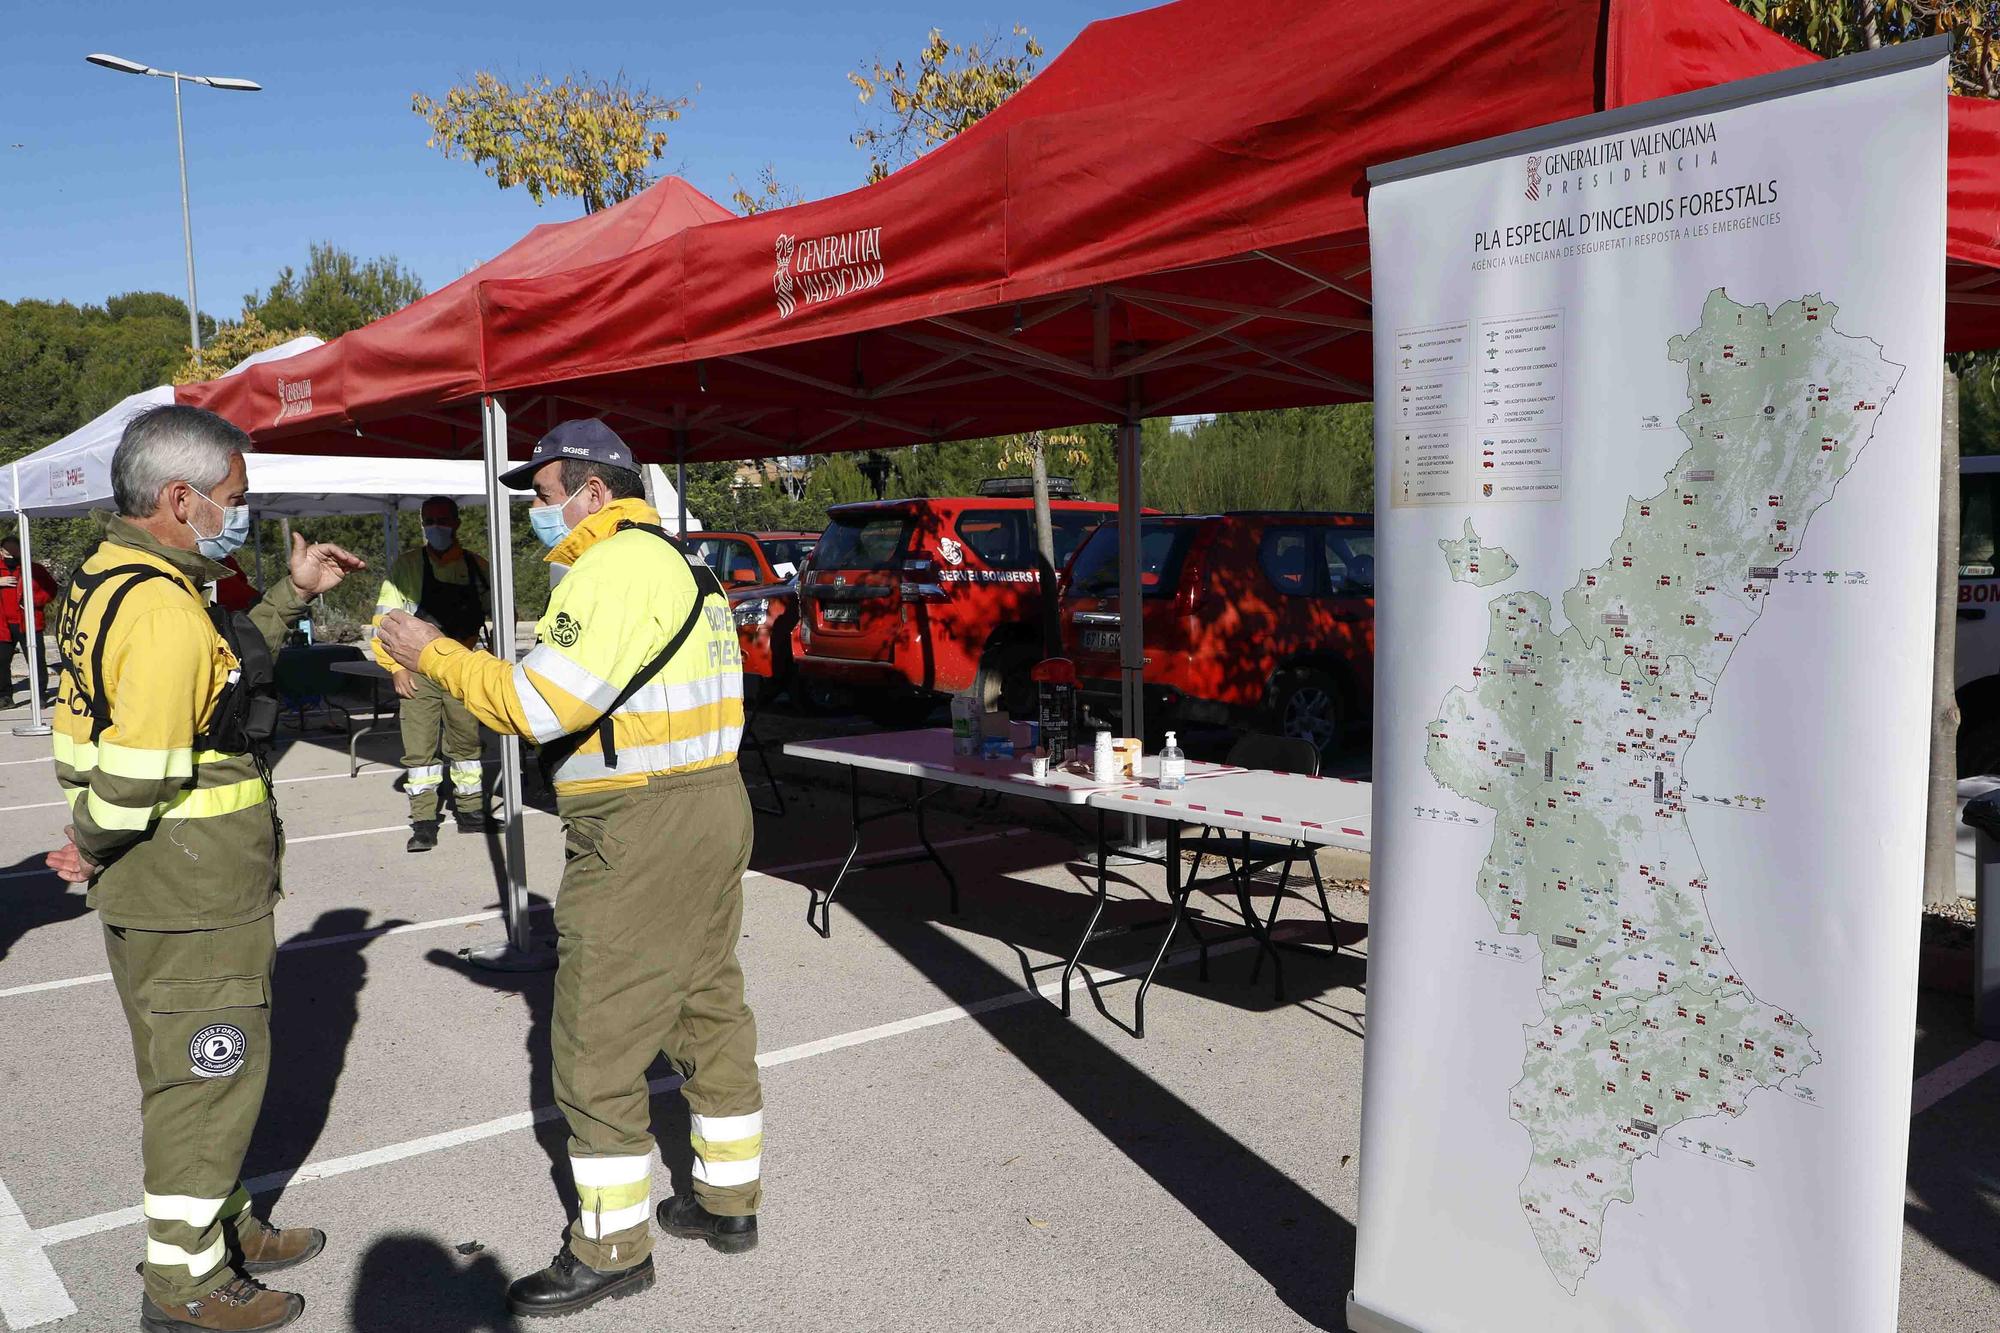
{"points": [[72, 476]]}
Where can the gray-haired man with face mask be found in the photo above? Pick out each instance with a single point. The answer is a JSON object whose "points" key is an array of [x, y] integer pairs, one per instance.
{"points": [[161, 729]]}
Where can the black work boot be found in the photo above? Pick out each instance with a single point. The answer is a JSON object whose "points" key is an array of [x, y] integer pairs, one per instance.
{"points": [[568, 1284], [470, 820], [237, 1306], [423, 835], [684, 1216]]}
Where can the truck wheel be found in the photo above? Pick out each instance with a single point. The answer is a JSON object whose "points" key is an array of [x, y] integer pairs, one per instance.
{"points": [[1979, 744], [1305, 703], [815, 697], [1005, 679], [895, 708]]}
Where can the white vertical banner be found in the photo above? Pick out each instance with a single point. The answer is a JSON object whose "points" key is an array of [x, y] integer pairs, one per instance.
{"points": [[1657, 414]]}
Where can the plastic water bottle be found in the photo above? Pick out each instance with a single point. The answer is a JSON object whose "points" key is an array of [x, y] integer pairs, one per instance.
{"points": [[1104, 760], [1173, 765]]}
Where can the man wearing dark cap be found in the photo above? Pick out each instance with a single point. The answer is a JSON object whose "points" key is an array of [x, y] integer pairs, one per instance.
{"points": [[635, 694], [442, 583]]}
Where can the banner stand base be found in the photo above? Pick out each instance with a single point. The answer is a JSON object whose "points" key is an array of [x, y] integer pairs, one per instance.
{"points": [[505, 957], [1361, 1319], [42, 730]]}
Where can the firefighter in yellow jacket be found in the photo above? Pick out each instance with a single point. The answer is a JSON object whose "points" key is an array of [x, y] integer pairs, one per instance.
{"points": [[635, 695], [445, 584], [160, 727]]}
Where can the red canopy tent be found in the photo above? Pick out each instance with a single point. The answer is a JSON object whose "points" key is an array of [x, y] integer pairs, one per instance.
{"points": [[1169, 218], [428, 354]]}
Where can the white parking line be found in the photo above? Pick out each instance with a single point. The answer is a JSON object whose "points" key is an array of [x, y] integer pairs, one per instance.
{"points": [[507, 1124], [322, 941], [280, 782], [16, 763], [1952, 1075], [30, 1291]]}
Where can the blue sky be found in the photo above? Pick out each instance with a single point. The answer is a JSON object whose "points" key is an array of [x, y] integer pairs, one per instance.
{"points": [[331, 150]]}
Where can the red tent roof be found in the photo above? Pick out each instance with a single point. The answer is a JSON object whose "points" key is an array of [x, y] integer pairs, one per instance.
{"points": [[428, 353], [1170, 218]]}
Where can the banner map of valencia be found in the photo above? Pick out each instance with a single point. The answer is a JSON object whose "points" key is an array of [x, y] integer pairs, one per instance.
{"points": [[1573, 737]]}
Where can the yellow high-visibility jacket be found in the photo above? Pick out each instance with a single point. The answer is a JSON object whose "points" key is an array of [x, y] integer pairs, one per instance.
{"points": [[405, 585], [623, 598], [188, 839]]}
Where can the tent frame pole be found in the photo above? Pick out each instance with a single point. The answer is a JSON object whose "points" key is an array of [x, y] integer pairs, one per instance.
{"points": [[1131, 605], [31, 633], [519, 953], [681, 480]]}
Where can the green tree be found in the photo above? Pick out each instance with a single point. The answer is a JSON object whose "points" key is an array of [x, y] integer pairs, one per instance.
{"points": [[335, 293], [230, 345], [953, 86], [594, 140], [836, 480], [766, 192], [1293, 458], [1839, 27]]}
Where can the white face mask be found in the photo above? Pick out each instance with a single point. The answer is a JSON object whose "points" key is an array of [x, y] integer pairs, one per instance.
{"points": [[550, 523], [229, 539]]}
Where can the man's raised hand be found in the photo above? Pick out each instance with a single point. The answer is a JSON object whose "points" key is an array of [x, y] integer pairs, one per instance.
{"points": [[320, 567]]}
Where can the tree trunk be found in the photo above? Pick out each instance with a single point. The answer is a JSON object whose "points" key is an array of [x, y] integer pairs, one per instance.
{"points": [[1940, 843], [1871, 23], [1045, 544]]}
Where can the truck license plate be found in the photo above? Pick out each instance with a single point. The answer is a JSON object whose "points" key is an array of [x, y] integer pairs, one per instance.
{"points": [[1100, 640], [840, 615]]}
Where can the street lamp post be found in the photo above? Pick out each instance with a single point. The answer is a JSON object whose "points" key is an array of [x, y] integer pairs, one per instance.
{"points": [[124, 66]]}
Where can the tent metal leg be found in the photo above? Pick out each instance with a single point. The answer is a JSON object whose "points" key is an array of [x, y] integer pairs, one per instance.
{"points": [[754, 744], [33, 637], [681, 482], [520, 952]]}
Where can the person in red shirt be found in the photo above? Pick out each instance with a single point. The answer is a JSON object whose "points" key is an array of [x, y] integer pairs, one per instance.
{"points": [[16, 590], [235, 593]]}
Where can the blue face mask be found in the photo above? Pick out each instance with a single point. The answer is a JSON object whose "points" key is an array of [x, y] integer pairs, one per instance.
{"points": [[549, 523], [439, 538], [235, 531]]}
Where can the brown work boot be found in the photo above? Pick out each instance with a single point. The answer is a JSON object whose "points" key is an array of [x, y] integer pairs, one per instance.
{"points": [[259, 1247], [239, 1305]]}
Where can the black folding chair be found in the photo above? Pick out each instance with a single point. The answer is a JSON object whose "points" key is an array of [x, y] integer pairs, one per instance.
{"points": [[1246, 854]]}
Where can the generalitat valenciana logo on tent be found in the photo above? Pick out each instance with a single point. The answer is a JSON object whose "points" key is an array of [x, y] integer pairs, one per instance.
{"points": [[820, 268], [1534, 177], [295, 398]]}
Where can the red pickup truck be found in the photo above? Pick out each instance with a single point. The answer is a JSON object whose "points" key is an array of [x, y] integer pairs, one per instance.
{"points": [[905, 600], [1265, 619]]}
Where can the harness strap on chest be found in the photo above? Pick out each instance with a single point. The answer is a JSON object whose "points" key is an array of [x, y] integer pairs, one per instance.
{"points": [[70, 624], [558, 751]]}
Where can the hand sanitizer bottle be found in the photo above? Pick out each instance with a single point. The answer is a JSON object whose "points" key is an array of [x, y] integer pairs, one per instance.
{"points": [[1173, 765]]}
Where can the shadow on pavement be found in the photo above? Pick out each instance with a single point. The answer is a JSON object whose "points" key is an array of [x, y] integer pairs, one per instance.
{"points": [[1276, 1226], [35, 900], [315, 1007], [412, 1282], [537, 991], [1954, 1171]]}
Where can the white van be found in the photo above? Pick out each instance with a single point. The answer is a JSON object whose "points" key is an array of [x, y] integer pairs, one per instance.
{"points": [[1978, 615]]}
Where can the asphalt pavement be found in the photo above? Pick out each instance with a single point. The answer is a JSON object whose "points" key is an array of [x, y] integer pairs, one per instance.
{"points": [[944, 1149]]}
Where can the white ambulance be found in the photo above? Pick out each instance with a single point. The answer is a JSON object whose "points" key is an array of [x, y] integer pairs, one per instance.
{"points": [[1978, 615]]}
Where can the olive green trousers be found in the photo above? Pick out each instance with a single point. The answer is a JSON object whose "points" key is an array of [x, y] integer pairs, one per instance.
{"points": [[648, 917], [198, 1005], [430, 715]]}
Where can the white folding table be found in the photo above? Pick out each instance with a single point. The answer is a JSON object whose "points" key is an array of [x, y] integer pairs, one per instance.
{"points": [[926, 757], [1321, 811], [1258, 803]]}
